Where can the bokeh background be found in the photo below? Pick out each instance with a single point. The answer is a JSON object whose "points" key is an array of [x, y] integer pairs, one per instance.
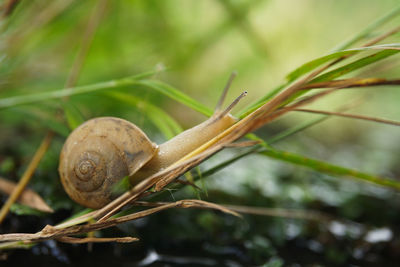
{"points": [[198, 44]]}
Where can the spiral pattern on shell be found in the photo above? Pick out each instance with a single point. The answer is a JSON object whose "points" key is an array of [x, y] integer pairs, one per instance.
{"points": [[97, 155], [89, 166]]}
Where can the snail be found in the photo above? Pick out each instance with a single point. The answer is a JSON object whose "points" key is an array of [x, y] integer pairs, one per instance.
{"points": [[102, 151]]}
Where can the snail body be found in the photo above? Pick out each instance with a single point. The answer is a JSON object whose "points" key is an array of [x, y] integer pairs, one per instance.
{"points": [[102, 151]]}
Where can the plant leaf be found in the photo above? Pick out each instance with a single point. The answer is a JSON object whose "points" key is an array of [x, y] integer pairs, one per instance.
{"points": [[313, 64], [72, 114], [21, 209], [368, 30], [355, 65], [329, 168], [162, 120], [42, 96], [177, 95], [28, 197], [45, 120]]}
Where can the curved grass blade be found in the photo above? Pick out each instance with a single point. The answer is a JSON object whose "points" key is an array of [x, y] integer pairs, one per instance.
{"points": [[295, 129], [72, 114], [42, 96], [45, 120], [329, 168], [355, 65], [387, 50], [313, 64], [352, 116], [352, 83], [165, 123], [177, 95], [367, 30], [338, 72]]}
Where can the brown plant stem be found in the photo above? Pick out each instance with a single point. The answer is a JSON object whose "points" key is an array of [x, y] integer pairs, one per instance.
{"points": [[352, 82], [262, 211], [87, 40], [50, 232], [27, 175], [348, 115]]}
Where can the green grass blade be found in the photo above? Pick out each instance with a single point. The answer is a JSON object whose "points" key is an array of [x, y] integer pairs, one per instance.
{"points": [[226, 163], [368, 30], [37, 97], [387, 50], [177, 95], [355, 65], [43, 119], [165, 123], [295, 129], [329, 168], [73, 115], [155, 85], [313, 64]]}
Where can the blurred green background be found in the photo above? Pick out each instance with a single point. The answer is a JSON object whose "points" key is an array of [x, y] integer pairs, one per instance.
{"points": [[199, 43]]}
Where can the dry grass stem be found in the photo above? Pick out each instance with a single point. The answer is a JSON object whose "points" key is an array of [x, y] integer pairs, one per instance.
{"points": [[283, 213], [50, 232], [42, 17], [91, 28], [351, 83], [27, 175], [273, 212], [74, 240], [353, 116]]}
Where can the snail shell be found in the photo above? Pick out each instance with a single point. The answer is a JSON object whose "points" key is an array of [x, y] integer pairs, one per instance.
{"points": [[98, 154]]}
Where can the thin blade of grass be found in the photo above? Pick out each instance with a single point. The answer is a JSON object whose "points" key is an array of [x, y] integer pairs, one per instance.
{"points": [[164, 122], [369, 29], [262, 211], [352, 116], [352, 82], [298, 128], [310, 66], [283, 213], [295, 129], [355, 65], [74, 240], [72, 114], [329, 168], [338, 72], [44, 119], [313, 64], [43, 96], [27, 175], [177, 95]]}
